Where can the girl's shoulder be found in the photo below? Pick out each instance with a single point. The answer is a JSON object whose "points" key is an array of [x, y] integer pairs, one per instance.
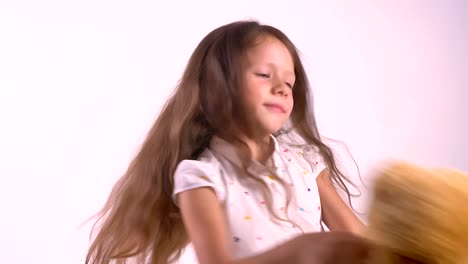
{"points": [[202, 172], [297, 144], [302, 151], [206, 163]]}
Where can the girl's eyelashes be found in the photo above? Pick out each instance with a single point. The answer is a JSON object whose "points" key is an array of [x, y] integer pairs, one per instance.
{"points": [[267, 76], [263, 75]]}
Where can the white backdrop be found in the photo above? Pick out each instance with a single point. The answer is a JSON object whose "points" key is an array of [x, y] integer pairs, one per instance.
{"points": [[82, 81]]}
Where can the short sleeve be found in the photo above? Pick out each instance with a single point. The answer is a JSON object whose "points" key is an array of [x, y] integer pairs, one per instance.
{"points": [[192, 174]]}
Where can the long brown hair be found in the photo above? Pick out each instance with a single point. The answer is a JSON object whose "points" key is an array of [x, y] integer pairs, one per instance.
{"points": [[140, 221]]}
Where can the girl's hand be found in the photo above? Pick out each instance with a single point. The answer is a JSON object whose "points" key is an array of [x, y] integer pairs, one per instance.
{"points": [[332, 248]]}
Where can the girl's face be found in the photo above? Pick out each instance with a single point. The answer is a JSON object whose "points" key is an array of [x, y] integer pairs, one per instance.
{"points": [[267, 82]]}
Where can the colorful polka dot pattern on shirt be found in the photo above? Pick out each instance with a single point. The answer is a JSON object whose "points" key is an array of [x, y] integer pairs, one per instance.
{"points": [[253, 228]]}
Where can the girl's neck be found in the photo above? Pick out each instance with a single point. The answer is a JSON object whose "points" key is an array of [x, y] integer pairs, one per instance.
{"points": [[261, 147]]}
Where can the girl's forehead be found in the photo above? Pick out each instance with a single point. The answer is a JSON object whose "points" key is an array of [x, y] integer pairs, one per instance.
{"points": [[269, 46], [271, 51]]}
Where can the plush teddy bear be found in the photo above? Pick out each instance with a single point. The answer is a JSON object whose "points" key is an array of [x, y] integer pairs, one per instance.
{"points": [[419, 215]]}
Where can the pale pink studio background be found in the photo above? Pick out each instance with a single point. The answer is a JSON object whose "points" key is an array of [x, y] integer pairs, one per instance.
{"points": [[81, 82]]}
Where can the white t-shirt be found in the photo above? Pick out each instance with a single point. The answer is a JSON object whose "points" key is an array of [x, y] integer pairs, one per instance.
{"points": [[253, 229]]}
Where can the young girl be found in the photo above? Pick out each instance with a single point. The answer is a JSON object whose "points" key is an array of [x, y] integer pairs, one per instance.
{"points": [[235, 165]]}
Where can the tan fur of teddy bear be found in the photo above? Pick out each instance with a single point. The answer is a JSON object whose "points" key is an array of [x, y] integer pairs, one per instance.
{"points": [[419, 214]]}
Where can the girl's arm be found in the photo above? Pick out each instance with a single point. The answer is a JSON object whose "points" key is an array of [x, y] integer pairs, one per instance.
{"points": [[336, 214]]}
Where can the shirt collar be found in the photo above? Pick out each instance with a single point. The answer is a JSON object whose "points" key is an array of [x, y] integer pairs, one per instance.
{"points": [[228, 151]]}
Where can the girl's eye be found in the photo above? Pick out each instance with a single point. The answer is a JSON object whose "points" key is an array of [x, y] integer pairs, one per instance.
{"points": [[263, 75], [289, 85]]}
